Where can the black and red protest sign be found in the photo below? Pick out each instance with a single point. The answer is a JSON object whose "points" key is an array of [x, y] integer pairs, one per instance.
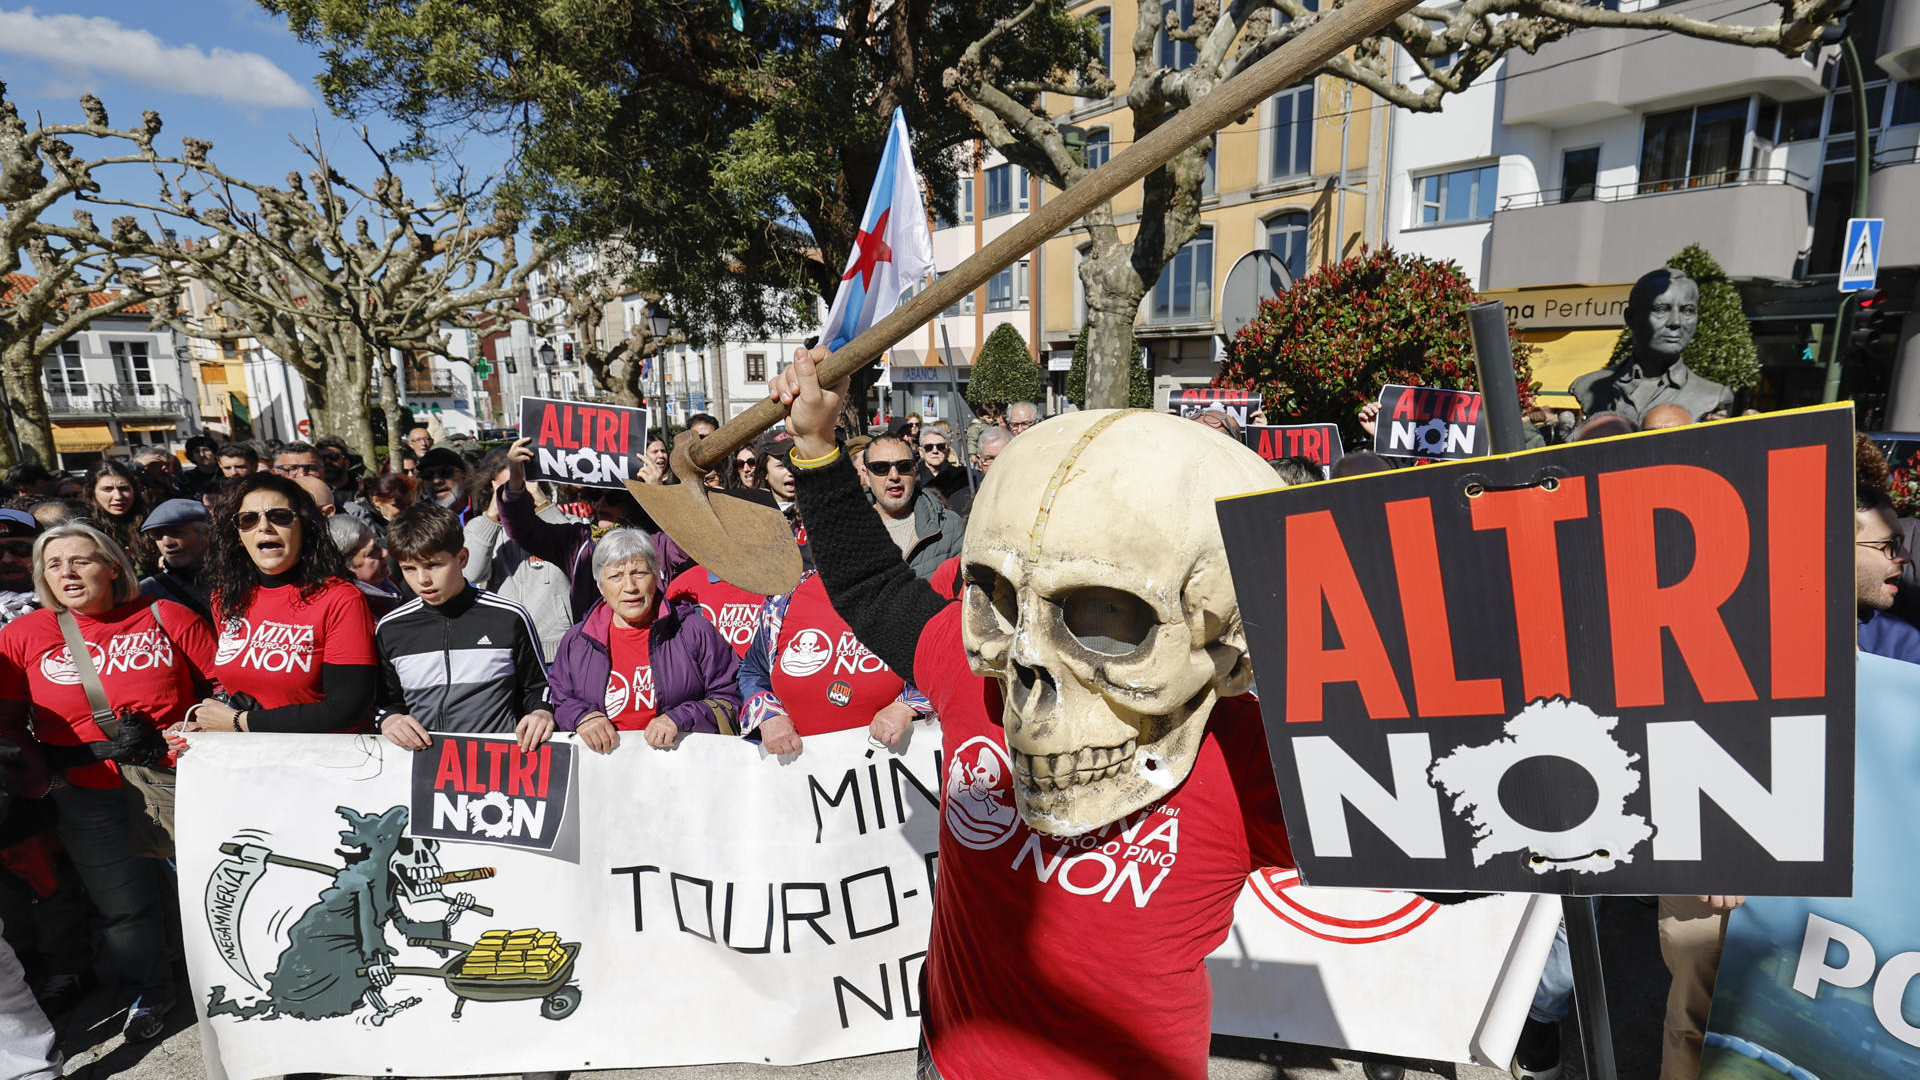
{"points": [[485, 789], [585, 445], [1318, 442], [1191, 401], [1429, 422], [1612, 667]]}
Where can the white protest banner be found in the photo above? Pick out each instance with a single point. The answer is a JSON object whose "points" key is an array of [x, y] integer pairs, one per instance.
{"points": [[704, 904], [1380, 972], [795, 894]]}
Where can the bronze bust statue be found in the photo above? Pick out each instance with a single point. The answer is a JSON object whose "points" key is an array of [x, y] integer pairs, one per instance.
{"points": [[1663, 311]]}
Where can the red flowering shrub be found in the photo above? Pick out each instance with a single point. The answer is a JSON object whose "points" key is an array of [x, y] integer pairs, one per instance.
{"points": [[1328, 344]]}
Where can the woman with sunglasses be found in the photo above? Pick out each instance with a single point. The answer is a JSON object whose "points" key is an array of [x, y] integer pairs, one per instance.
{"points": [[745, 473], [296, 638], [113, 489], [939, 474]]}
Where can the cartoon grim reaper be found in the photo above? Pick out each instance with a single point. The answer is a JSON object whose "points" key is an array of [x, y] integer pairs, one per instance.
{"points": [[337, 951]]}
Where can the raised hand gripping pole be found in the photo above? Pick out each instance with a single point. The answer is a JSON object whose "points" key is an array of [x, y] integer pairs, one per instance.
{"points": [[751, 545]]}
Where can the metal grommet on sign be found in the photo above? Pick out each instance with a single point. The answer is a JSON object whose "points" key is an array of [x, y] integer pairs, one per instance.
{"points": [[1475, 489]]}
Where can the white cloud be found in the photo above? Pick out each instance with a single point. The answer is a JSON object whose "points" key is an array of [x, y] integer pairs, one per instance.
{"points": [[102, 46]]}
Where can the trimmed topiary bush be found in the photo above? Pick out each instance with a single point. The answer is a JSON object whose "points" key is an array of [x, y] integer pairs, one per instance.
{"points": [[1004, 371]]}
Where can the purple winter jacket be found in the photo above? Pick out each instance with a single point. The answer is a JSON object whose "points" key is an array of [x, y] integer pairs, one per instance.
{"points": [[694, 669]]}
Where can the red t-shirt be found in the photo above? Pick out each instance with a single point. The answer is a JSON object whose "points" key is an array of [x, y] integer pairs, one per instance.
{"points": [[731, 609], [274, 653], [825, 679], [630, 695], [159, 670], [1082, 958]]}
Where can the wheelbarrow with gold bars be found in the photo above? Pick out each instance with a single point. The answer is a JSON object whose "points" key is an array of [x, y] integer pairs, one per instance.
{"points": [[471, 978]]}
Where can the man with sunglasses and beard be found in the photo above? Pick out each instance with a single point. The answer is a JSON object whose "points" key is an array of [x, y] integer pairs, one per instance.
{"points": [[926, 530]]}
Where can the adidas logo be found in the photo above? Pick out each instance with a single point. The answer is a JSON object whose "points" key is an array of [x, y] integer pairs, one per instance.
{"points": [[484, 640]]}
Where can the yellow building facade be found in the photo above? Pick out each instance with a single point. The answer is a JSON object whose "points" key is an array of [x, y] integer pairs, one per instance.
{"points": [[1277, 183]]}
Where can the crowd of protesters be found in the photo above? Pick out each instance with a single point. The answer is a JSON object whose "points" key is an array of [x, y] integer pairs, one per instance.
{"points": [[192, 582]]}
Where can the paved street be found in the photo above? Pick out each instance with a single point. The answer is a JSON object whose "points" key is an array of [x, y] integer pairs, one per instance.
{"points": [[1636, 994]]}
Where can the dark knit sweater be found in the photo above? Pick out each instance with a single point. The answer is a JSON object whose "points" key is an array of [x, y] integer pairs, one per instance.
{"points": [[867, 581]]}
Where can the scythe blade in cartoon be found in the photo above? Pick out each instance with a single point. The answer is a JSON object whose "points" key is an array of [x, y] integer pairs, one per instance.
{"points": [[227, 889]]}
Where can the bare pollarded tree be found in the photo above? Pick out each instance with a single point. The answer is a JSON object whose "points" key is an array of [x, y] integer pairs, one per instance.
{"points": [[58, 276], [1450, 46], [338, 278]]}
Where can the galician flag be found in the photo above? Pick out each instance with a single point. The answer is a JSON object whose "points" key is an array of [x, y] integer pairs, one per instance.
{"points": [[892, 251]]}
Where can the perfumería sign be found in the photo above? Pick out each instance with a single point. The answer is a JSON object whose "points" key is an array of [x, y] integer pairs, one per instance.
{"points": [[1565, 307]]}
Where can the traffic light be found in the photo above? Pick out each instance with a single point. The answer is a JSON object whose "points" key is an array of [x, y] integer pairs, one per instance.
{"points": [[566, 352], [1872, 318]]}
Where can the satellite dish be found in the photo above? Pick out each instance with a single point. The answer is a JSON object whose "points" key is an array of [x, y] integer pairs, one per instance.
{"points": [[1258, 275]]}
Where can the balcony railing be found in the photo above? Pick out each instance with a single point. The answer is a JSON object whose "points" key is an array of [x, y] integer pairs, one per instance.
{"points": [[1726, 178], [117, 399], [439, 384]]}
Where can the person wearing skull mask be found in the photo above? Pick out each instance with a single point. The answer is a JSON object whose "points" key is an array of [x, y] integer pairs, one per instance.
{"points": [[1094, 712]]}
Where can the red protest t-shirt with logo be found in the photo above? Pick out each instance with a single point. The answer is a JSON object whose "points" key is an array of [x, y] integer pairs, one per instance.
{"points": [[1085, 957], [825, 679], [731, 609], [159, 666], [274, 652], [630, 701]]}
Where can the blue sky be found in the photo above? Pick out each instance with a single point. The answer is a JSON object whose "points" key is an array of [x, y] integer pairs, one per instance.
{"points": [[221, 70]]}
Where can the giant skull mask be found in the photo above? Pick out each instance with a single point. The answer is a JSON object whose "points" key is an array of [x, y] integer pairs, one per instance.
{"points": [[1097, 591]]}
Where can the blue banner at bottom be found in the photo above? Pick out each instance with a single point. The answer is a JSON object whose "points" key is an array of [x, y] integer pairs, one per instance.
{"points": [[1819, 989]]}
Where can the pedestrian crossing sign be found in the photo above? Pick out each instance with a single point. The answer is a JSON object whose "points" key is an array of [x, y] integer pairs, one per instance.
{"points": [[1862, 254]]}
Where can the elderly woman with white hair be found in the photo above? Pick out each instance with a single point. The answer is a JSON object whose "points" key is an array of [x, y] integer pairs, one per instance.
{"points": [[640, 661], [150, 660]]}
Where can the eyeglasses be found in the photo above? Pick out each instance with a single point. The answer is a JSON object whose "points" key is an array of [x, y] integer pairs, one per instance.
{"points": [[904, 467], [292, 467], [1018, 426], [440, 472], [280, 516], [1892, 547], [932, 446]]}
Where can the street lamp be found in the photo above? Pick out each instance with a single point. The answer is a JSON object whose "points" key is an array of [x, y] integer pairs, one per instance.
{"points": [[659, 327], [546, 354]]}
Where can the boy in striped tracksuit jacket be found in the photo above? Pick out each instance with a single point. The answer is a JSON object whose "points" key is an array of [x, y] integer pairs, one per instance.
{"points": [[456, 658]]}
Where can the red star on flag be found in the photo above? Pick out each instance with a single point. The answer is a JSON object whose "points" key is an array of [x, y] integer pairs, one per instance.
{"points": [[873, 251]]}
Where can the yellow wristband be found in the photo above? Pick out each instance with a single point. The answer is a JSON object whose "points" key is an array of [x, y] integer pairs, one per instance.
{"points": [[820, 462]]}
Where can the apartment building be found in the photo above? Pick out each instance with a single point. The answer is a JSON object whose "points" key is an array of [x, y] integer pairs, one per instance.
{"points": [[1291, 179], [1562, 176], [116, 386]]}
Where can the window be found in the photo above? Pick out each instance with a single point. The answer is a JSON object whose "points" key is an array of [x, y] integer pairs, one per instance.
{"points": [[1906, 104], [1099, 148], [1185, 288], [66, 375], [1006, 190], [756, 367], [130, 365], [1287, 238], [1007, 289], [962, 306], [1691, 147], [1579, 173], [1177, 54], [1210, 182], [1292, 134], [1800, 120], [1462, 195], [1103, 20], [962, 205]]}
